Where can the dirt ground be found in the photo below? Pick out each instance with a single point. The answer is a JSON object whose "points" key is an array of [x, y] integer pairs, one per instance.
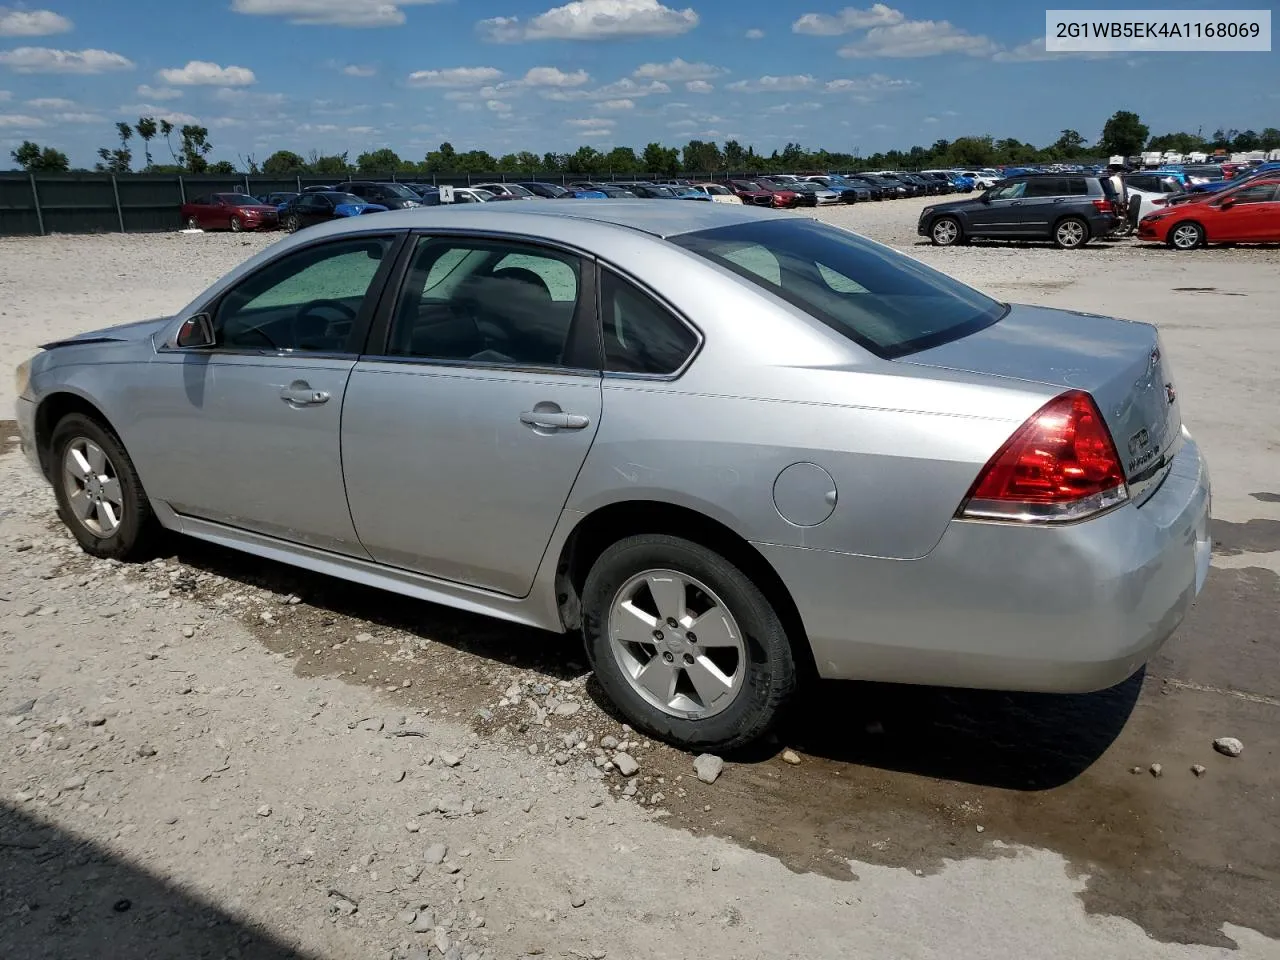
{"points": [[215, 756]]}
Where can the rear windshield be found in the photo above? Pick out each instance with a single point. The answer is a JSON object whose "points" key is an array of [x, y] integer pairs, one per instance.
{"points": [[888, 303]]}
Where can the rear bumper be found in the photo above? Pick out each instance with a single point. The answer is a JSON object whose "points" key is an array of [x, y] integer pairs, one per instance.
{"points": [[999, 606]]}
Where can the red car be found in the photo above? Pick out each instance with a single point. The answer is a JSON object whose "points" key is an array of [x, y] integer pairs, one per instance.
{"points": [[748, 191], [1249, 213], [229, 211]]}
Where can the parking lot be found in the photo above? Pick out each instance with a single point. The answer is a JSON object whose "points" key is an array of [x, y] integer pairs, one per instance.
{"points": [[255, 759]]}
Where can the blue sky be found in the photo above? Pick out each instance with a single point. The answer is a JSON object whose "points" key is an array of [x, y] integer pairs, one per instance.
{"points": [[507, 75]]}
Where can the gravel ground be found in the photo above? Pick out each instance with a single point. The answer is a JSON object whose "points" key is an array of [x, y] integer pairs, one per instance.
{"points": [[214, 756]]}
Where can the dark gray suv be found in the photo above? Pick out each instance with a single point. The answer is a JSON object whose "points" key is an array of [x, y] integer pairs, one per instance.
{"points": [[1068, 209]]}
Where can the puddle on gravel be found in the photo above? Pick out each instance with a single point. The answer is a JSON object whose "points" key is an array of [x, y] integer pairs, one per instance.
{"points": [[897, 776]]}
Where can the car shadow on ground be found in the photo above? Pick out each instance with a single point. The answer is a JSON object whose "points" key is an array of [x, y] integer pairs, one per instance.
{"points": [[1015, 741], [1012, 740], [69, 897]]}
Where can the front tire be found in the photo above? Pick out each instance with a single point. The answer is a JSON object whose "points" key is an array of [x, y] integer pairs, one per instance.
{"points": [[1070, 233], [193, 223], [292, 223], [100, 497], [945, 232], [1186, 236], [236, 225], [684, 644]]}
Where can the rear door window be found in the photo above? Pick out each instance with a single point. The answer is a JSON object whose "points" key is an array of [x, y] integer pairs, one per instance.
{"points": [[640, 335]]}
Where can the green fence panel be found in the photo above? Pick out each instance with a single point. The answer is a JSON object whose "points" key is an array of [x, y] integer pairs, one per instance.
{"points": [[149, 203], [78, 203], [17, 207]]}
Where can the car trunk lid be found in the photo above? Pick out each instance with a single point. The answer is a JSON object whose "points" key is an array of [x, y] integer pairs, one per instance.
{"points": [[1120, 363]]}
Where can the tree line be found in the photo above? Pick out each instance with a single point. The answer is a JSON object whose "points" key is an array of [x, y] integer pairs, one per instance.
{"points": [[1123, 134]]}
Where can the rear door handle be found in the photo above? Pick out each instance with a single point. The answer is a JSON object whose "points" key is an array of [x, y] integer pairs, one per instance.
{"points": [[559, 421], [300, 394]]}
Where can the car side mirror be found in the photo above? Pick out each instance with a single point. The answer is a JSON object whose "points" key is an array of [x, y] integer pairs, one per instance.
{"points": [[986, 198], [196, 332], [1226, 203]]}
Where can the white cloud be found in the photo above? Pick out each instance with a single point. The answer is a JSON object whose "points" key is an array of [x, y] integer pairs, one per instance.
{"points": [[677, 70], [554, 77], [79, 117], [202, 73], [466, 105], [699, 86], [342, 13], [316, 128], [32, 23], [847, 20], [599, 132], [929, 120], [362, 131], [454, 77], [356, 70], [682, 124], [769, 84], [148, 92], [18, 121], [868, 88], [498, 106], [754, 34], [48, 60], [805, 107], [626, 88], [592, 20], [591, 123], [623, 104], [157, 113], [1033, 50], [51, 103], [5, 96], [919, 38]]}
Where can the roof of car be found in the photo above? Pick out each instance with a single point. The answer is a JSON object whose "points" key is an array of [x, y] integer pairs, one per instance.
{"points": [[657, 219]]}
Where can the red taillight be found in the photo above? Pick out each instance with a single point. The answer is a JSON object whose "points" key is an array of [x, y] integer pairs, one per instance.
{"points": [[1060, 465], [1104, 206]]}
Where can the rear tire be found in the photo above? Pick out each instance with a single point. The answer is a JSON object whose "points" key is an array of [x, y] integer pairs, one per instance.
{"points": [[100, 497], [1070, 233], [720, 691], [1186, 236], [292, 223], [193, 223], [946, 232]]}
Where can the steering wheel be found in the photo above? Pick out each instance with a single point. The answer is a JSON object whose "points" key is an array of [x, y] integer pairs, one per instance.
{"points": [[297, 327]]}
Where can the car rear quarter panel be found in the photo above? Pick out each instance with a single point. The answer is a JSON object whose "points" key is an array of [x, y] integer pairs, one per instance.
{"points": [[772, 387]]}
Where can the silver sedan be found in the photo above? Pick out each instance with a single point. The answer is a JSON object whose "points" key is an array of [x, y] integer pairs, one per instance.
{"points": [[722, 443]]}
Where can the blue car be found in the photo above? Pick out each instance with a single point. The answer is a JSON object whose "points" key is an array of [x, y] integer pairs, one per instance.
{"points": [[1213, 186], [321, 207], [962, 183]]}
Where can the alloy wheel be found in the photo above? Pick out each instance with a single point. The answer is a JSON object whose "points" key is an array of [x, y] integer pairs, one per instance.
{"points": [[93, 487], [1186, 236], [236, 226], [193, 223], [1071, 233], [677, 644], [945, 232]]}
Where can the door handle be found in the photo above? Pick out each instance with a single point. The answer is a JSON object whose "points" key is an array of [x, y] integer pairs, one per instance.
{"points": [[559, 421], [300, 394]]}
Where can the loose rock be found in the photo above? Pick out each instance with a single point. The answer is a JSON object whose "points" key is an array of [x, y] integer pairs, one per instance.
{"points": [[436, 853], [626, 764], [264, 810], [790, 756], [1228, 746], [1156, 770], [1197, 769], [708, 767]]}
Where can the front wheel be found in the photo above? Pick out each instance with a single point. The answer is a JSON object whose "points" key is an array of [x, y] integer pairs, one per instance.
{"points": [[1186, 236], [193, 223], [99, 495], [236, 225], [292, 223], [684, 643], [1071, 233], [945, 232]]}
